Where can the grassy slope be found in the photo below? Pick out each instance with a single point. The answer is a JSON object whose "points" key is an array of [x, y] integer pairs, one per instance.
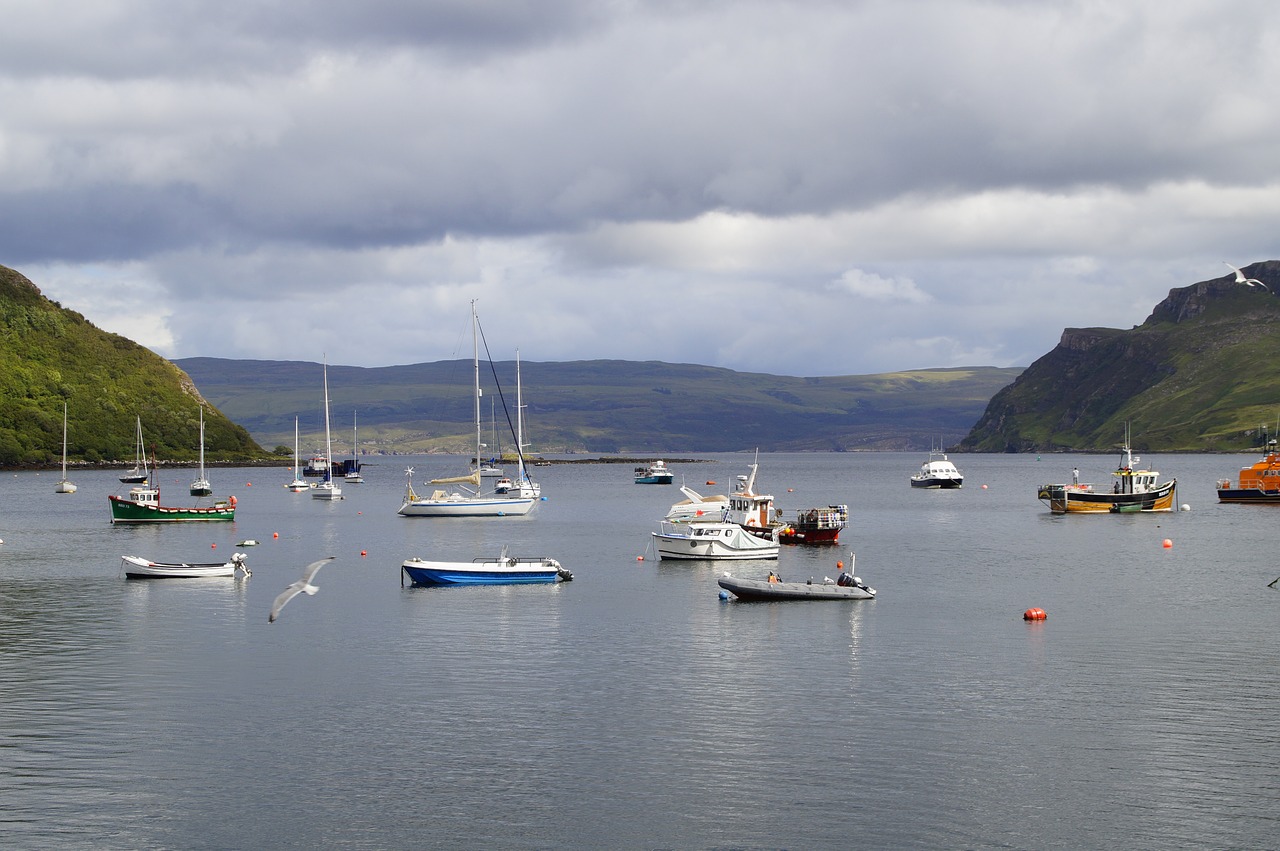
{"points": [[49, 355]]}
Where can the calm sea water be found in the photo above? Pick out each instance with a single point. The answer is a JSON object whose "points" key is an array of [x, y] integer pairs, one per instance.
{"points": [[632, 707]]}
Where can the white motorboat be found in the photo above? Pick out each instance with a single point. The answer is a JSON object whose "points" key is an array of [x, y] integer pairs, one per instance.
{"points": [[937, 472], [695, 506], [712, 539], [136, 567], [655, 473]]}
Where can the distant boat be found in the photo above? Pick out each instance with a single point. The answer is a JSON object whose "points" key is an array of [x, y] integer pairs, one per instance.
{"points": [[1135, 490], [656, 473], [492, 469], [63, 485], [937, 472], [353, 469], [508, 499], [137, 475], [504, 570], [326, 489], [136, 567], [298, 484], [201, 487]]}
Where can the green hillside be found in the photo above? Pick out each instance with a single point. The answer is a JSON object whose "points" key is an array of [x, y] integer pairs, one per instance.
{"points": [[1202, 373], [50, 355], [600, 406]]}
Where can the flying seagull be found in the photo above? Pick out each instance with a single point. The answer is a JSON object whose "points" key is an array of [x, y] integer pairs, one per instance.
{"points": [[1241, 279], [302, 586]]}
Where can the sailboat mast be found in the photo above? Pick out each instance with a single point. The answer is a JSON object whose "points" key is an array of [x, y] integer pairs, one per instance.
{"points": [[519, 419], [328, 444], [475, 362], [297, 469], [64, 441]]}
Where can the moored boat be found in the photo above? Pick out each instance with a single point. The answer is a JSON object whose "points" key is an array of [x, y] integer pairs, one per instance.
{"points": [[846, 587], [326, 488], [712, 539], [815, 526], [1258, 483], [697, 507], [656, 473], [1135, 490], [64, 485], [136, 567], [138, 474], [504, 570], [201, 486], [142, 505], [937, 472]]}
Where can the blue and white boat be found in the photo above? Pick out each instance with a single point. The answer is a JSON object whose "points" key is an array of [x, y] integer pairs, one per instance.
{"points": [[657, 473], [504, 570]]}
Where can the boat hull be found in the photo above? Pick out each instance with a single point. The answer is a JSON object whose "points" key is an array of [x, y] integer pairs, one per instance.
{"points": [[1249, 495], [463, 507], [940, 483], [64, 487], [655, 480], [763, 590], [1069, 499], [141, 568], [509, 571], [127, 511], [712, 541]]}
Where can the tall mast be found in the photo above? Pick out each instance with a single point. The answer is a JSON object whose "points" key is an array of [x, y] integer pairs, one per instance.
{"points": [[475, 362], [328, 444]]}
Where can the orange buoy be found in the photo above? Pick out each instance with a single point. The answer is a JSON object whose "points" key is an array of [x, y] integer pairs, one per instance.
{"points": [[363, 553], [213, 546], [984, 487], [1034, 614], [839, 565], [790, 490], [275, 534], [248, 484], [711, 481], [1168, 544], [639, 558]]}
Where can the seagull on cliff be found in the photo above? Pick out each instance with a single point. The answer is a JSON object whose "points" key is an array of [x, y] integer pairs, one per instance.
{"points": [[302, 586], [1241, 279]]}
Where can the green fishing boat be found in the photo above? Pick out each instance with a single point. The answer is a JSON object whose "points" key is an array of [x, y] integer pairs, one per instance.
{"points": [[142, 505]]}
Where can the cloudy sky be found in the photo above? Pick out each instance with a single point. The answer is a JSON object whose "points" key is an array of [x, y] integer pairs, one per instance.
{"points": [[809, 187]]}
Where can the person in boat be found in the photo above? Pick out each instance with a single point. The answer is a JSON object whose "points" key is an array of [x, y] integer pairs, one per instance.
{"points": [[773, 577], [1075, 475]]}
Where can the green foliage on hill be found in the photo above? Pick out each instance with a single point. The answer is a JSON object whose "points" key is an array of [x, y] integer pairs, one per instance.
{"points": [[599, 406], [1202, 373], [50, 355]]}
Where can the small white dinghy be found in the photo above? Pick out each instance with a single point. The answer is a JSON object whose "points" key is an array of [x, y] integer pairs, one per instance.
{"points": [[136, 567]]}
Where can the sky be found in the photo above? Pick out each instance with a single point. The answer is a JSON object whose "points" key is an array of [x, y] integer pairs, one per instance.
{"points": [[808, 188]]}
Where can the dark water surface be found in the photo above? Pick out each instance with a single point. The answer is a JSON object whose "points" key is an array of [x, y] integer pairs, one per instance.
{"points": [[631, 707]]}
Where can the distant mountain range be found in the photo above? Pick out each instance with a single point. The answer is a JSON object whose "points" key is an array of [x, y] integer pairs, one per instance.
{"points": [[598, 406], [1202, 373]]}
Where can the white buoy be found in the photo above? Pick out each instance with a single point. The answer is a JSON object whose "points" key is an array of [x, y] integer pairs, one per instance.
{"points": [[1185, 507]]}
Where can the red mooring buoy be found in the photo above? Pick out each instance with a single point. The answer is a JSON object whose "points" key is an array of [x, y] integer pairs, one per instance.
{"points": [[1034, 614]]}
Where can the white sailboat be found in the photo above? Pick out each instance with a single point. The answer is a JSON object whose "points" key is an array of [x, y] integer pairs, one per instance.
{"points": [[138, 475], [326, 489], [63, 485], [523, 486], [353, 475], [298, 484], [201, 487], [463, 501]]}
